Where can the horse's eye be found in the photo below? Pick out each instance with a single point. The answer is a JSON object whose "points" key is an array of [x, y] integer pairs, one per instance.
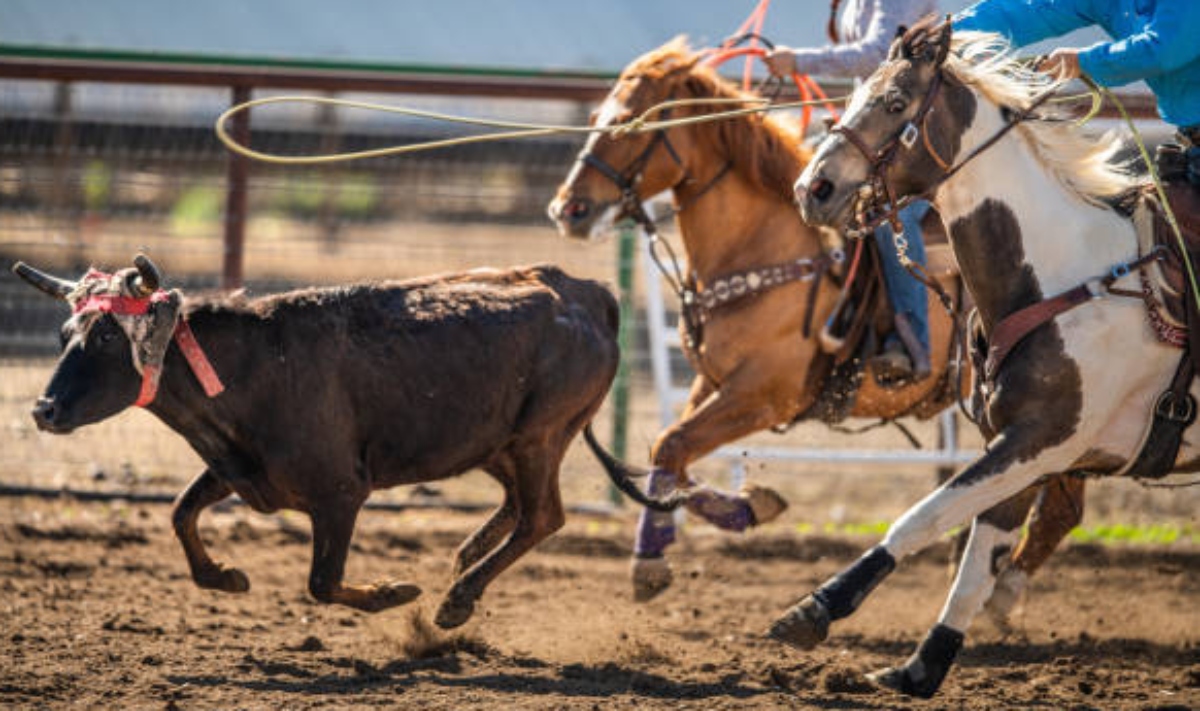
{"points": [[897, 106]]}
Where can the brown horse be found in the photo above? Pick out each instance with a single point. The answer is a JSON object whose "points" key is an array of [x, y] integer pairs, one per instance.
{"points": [[759, 354]]}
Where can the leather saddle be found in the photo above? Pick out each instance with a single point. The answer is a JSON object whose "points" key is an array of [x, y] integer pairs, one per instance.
{"points": [[1154, 231]]}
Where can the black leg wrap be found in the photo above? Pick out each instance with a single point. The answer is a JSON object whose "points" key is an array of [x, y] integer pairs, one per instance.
{"points": [[922, 674], [843, 593]]}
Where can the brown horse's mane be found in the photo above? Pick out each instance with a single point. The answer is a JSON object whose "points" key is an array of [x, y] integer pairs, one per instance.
{"points": [[764, 149]]}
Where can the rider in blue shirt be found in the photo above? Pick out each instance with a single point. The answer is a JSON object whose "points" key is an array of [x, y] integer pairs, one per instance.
{"points": [[1155, 41]]}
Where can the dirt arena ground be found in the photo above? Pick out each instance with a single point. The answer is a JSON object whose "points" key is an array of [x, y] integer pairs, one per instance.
{"points": [[99, 612], [97, 609]]}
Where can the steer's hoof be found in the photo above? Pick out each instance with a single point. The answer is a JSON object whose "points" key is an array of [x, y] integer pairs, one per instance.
{"points": [[900, 680], [454, 612], [766, 503], [651, 576], [225, 579], [804, 626], [388, 595]]}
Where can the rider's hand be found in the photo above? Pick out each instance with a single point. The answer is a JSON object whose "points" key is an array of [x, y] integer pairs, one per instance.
{"points": [[781, 62], [1063, 63]]}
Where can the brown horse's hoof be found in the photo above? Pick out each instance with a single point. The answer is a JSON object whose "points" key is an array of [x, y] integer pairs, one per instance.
{"points": [[651, 576], [804, 626], [454, 612], [766, 504], [225, 579]]}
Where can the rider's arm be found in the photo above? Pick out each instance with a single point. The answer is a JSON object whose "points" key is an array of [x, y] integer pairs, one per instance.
{"points": [[1167, 43], [1026, 21], [857, 59]]}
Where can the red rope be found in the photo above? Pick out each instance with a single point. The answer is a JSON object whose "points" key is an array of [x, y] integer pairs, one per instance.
{"points": [[805, 84]]}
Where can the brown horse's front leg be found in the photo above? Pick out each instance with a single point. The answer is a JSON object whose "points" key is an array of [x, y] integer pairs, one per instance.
{"points": [[333, 526], [741, 406], [204, 491]]}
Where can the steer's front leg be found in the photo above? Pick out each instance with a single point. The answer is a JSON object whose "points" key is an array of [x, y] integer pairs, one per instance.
{"points": [[333, 526], [204, 491]]}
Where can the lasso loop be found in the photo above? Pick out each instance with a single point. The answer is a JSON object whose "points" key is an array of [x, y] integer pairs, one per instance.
{"points": [[511, 129]]}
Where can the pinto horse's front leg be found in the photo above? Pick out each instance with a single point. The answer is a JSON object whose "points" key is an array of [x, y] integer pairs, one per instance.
{"points": [[991, 542], [1004, 471]]}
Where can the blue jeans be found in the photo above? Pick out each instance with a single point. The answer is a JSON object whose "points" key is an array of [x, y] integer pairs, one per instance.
{"points": [[907, 294], [1190, 136]]}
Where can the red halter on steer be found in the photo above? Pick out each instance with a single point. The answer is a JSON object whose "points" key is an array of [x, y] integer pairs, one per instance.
{"points": [[184, 338], [104, 293]]}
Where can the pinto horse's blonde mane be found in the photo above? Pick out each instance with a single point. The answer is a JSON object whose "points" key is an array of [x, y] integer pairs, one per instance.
{"points": [[765, 149], [1085, 163]]}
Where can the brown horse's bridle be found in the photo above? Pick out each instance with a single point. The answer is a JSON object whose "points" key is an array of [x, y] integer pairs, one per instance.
{"points": [[626, 180]]}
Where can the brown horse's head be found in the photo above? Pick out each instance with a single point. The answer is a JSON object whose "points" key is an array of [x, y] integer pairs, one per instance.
{"points": [[612, 171], [902, 127]]}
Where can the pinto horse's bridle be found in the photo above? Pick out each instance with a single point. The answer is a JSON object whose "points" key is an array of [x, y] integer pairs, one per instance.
{"points": [[877, 202]]}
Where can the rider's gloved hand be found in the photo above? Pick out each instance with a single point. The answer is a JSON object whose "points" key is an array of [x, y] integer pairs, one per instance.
{"points": [[781, 62]]}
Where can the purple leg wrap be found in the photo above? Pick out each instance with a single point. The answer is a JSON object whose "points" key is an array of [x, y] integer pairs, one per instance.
{"points": [[725, 511], [656, 529]]}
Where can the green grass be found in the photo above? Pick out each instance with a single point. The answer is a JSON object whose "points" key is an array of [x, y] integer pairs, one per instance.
{"points": [[1108, 534]]}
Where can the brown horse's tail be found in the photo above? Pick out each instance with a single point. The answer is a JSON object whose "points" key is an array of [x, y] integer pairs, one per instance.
{"points": [[622, 476]]}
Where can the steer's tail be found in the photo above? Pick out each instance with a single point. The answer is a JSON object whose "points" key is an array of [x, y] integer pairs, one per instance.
{"points": [[622, 475]]}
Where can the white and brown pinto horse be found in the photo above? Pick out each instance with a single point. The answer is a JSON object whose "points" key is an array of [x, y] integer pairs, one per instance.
{"points": [[758, 361], [1024, 200]]}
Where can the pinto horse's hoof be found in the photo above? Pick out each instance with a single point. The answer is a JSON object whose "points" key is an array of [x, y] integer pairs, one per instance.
{"points": [[900, 680], [804, 626], [922, 674], [651, 576], [1005, 596]]}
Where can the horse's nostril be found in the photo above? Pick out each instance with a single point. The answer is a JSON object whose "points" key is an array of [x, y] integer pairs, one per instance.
{"points": [[821, 189], [577, 210], [44, 411]]}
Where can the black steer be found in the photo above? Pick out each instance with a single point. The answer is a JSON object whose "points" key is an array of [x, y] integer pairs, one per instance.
{"points": [[329, 394]]}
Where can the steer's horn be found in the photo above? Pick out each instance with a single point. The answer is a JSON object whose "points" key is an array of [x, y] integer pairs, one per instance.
{"points": [[52, 285], [148, 278]]}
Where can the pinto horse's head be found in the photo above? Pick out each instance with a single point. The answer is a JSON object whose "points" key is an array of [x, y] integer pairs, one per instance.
{"points": [[613, 169], [901, 129]]}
